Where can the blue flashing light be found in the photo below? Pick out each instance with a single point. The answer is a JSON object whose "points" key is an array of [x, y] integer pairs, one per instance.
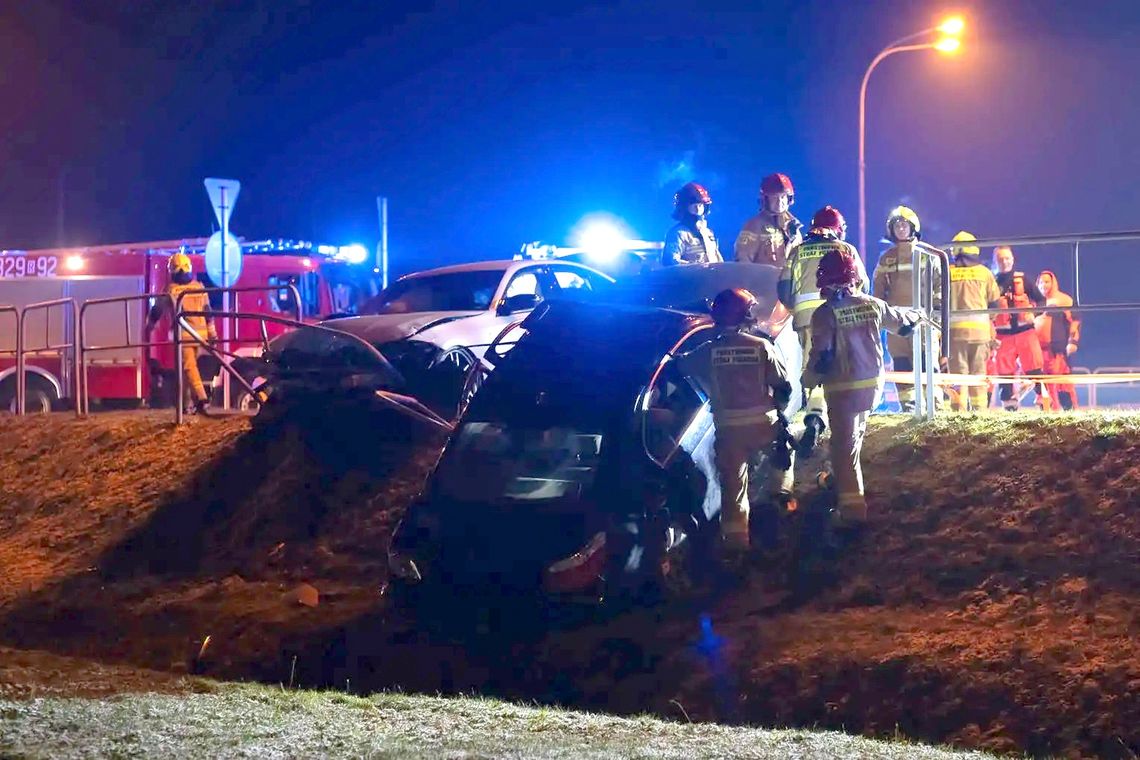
{"points": [[601, 240], [353, 254]]}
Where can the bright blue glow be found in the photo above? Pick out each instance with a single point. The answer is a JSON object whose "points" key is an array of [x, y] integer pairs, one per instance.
{"points": [[602, 236], [353, 254]]}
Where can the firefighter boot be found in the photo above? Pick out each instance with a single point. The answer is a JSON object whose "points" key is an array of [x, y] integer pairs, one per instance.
{"points": [[809, 439], [202, 407]]}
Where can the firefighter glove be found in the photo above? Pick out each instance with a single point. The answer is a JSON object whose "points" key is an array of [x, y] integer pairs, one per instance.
{"points": [[1071, 348]]}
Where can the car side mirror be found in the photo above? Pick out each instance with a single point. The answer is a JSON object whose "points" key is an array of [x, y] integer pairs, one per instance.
{"points": [[521, 302]]}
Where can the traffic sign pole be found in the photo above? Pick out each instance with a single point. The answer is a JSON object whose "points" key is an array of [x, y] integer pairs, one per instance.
{"points": [[223, 195], [225, 298]]}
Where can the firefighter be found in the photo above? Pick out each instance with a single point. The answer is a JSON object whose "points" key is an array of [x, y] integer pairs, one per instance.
{"points": [[972, 286], [797, 291], [893, 282], [768, 237], [195, 300], [690, 241], [847, 360], [1059, 334], [748, 387], [1017, 339]]}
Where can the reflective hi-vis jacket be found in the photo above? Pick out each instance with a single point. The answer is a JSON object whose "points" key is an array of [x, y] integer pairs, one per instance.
{"points": [[195, 300], [797, 290], [894, 275], [690, 244], [846, 345], [972, 286], [767, 238], [747, 379]]}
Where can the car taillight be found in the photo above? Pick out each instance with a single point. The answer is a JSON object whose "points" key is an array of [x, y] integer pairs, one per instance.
{"points": [[580, 570], [404, 567]]}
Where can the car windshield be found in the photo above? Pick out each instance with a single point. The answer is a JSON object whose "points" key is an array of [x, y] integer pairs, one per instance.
{"points": [[450, 291]]}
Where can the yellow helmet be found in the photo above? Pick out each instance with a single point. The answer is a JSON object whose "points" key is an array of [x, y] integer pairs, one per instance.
{"points": [[179, 262], [969, 250], [903, 212]]}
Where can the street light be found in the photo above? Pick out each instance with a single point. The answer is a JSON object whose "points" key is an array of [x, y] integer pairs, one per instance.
{"points": [[947, 43]]}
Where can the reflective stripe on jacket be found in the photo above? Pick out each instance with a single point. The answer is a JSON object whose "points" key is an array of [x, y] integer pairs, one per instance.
{"points": [[849, 327], [894, 275], [689, 244], [972, 286], [744, 375], [797, 278]]}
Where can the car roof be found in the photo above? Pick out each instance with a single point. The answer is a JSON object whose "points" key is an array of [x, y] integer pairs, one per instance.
{"points": [[503, 265]]}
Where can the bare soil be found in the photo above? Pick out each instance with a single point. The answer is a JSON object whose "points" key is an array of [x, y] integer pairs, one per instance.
{"points": [[992, 605]]}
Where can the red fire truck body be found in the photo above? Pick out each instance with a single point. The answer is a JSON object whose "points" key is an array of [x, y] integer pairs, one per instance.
{"points": [[329, 280]]}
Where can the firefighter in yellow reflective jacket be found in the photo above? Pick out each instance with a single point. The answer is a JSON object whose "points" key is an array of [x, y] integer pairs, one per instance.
{"points": [[894, 283], [797, 290], [972, 336], [847, 359], [194, 299], [748, 386], [767, 237]]}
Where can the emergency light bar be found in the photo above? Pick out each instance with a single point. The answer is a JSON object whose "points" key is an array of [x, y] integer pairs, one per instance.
{"points": [[351, 254], [540, 250]]}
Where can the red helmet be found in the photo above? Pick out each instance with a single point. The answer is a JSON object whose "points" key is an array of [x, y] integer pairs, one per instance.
{"points": [[692, 193], [828, 218], [774, 184], [734, 307], [837, 269]]}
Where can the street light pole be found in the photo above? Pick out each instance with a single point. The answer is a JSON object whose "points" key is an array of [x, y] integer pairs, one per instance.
{"points": [[950, 29], [887, 51]]}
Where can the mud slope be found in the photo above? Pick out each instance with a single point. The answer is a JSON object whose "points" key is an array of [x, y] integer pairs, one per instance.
{"points": [[995, 602], [125, 537]]}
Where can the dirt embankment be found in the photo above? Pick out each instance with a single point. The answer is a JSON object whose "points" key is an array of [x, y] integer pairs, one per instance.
{"points": [[994, 603]]}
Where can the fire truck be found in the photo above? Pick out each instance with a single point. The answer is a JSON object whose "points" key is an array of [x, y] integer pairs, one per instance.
{"points": [[330, 280]]}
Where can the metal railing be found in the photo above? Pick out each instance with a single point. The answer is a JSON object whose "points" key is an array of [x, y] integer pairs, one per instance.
{"points": [[227, 341], [16, 352], [925, 259], [85, 349], [23, 350], [1074, 239], [405, 405]]}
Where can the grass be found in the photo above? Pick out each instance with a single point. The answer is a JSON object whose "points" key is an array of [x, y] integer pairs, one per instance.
{"points": [[1002, 428], [258, 721]]}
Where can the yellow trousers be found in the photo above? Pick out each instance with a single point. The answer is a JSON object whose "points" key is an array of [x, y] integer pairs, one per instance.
{"points": [[736, 446], [191, 373], [816, 401], [849, 411]]}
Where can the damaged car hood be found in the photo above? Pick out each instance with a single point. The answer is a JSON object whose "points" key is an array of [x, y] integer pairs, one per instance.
{"points": [[385, 328]]}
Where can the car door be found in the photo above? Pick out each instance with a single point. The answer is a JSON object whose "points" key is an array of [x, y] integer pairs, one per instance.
{"points": [[526, 288], [677, 427]]}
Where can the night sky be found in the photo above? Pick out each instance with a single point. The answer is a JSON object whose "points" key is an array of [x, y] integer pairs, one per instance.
{"points": [[492, 124]]}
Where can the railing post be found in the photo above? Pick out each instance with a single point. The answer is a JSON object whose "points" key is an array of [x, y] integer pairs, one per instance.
{"points": [[20, 362], [77, 383], [916, 348], [179, 391]]}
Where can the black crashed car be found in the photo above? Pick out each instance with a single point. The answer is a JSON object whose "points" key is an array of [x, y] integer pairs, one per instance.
{"points": [[586, 458]]}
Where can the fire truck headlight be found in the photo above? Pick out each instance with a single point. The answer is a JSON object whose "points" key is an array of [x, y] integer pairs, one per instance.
{"points": [[353, 254], [74, 263]]}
